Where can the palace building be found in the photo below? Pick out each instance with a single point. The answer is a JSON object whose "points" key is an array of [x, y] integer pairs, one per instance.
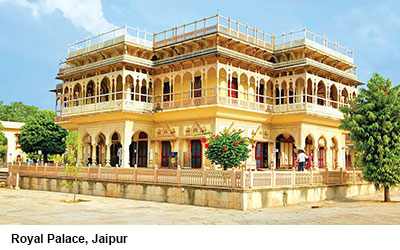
{"points": [[155, 93]]}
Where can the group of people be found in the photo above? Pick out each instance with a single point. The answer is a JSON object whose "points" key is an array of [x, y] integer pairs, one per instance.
{"points": [[304, 160]]}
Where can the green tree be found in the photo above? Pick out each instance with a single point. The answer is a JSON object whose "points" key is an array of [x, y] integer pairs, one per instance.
{"points": [[373, 119], [72, 168], [228, 148], [41, 133], [3, 143], [16, 112]]}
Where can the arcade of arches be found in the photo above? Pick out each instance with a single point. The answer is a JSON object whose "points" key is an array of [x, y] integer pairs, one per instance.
{"points": [[154, 147], [287, 87]]}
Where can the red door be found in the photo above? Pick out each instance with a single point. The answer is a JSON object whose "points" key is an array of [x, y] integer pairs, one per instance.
{"points": [[166, 149], [259, 154], [321, 156], [196, 153]]}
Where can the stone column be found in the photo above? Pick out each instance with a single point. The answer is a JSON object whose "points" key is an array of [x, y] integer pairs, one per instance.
{"points": [[108, 155], [93, 152], [328, 155], [203, 155], [126, 141], [339, 158]]}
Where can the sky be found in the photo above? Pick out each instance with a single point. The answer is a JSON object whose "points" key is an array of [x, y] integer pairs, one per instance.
{"points": [[34, 34]]}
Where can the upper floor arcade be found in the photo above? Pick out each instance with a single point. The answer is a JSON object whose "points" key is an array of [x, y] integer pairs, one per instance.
{"points": [[213, 84]]}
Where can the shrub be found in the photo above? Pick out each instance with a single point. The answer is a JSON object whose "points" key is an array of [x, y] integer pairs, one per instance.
{"points": [[228, 148]]}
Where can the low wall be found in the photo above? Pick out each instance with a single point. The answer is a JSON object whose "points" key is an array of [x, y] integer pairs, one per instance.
{"points": [[276, 197], [241, 199]]}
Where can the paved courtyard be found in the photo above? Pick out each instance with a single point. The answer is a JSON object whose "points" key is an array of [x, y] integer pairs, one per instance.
{"points": [[41, 207]]}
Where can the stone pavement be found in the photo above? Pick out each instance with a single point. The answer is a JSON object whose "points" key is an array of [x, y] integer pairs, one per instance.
{"points": [[41, 207]]}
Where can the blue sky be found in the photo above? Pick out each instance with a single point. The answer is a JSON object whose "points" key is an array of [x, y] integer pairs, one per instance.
{"points": [[34, 34]]}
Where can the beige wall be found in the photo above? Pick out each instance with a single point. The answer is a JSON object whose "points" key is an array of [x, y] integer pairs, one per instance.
{"points": [[11, 129]]}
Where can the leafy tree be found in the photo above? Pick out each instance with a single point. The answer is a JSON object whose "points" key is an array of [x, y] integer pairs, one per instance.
{"points": [[373, 119], [228, 148], [41, 133], [3, 143], [72, 168], [16, 112]]}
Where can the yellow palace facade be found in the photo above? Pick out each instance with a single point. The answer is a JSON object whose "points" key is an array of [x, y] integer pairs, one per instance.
{"points": [[151, 94]]}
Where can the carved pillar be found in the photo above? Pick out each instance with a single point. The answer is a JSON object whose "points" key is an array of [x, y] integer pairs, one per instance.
{"points": [[126, 141], [93, 152], [339, 158], [328, 155], [108, 154]]}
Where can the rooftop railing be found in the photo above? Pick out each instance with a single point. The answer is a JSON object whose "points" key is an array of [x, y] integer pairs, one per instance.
{"points": [[304, 34], [205, 26], [124, 33]]}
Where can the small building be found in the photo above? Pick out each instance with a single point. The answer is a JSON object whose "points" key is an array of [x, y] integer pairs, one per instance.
{"points": [[12, 131]]}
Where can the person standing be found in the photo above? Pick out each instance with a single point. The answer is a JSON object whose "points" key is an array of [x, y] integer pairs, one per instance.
{"points": [[301, 159], [119, 155], [310, 160]]}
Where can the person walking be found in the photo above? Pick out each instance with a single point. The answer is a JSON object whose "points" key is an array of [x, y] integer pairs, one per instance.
{"points": [[301, 159]]}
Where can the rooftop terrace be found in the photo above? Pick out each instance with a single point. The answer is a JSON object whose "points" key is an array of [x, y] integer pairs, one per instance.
{"points": [[208, 26]]}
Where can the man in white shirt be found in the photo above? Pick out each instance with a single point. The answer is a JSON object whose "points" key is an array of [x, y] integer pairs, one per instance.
{"points": [[301, 159]]}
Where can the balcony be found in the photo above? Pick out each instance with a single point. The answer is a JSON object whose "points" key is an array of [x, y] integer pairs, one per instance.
{"points": [[126, 101], [139, 103]]}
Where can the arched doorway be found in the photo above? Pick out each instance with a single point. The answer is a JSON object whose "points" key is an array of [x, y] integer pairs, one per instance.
{"points": [[321, 93], [138, 150], [90, 92], [345, 96], [309, 91], [115, 146], [321, 152], [101, 149], [105, 90], [309, 148], [233, 86], [333, 96], [77, 94], [285, 158], [87, 150]]}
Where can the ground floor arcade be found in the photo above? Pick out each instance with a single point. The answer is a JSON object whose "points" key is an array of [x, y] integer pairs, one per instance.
{"points": [[178, 143]]}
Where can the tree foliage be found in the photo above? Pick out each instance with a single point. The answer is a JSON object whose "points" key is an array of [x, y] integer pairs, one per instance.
{"points": [[3, 143], [373, 119], [228, 148], [16, 112], [41, 133]]}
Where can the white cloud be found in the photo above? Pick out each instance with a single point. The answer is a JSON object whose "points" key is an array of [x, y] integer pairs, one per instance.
{"points": [[86, 14]]}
